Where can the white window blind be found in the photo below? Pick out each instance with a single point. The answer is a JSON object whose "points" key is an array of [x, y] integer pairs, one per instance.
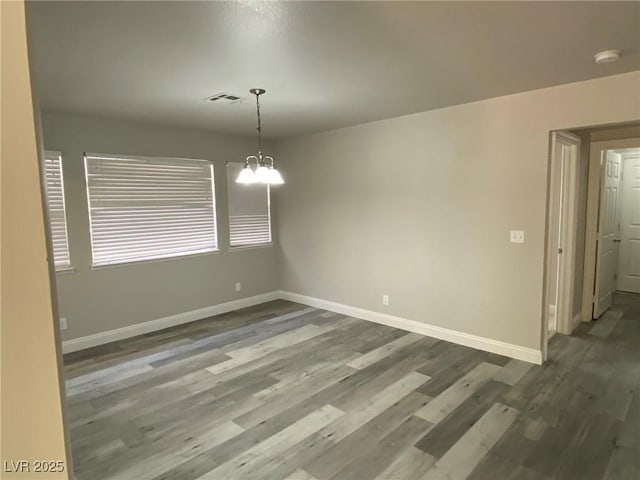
{"points": [[143, 208], [54, 189], [249, 210]]}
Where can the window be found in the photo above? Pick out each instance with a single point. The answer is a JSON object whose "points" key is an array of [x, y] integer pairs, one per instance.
{"points": [[249, 211], [54, 189], [143, 208]]}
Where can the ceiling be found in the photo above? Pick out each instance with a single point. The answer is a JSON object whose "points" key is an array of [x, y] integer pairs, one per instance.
{"points": [[324, 65]]}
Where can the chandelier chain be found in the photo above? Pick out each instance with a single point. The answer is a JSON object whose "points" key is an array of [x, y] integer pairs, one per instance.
{"points": [[259, 124]]}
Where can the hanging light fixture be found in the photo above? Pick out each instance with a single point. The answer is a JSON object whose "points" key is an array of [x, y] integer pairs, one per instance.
{"points": [[265, 170]]}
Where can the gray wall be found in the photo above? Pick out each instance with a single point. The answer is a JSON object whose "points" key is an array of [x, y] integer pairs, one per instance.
{"points": [[420, 207], [101, 299]]}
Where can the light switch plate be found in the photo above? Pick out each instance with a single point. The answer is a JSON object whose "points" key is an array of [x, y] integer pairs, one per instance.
{"points": [[517, 236], [63, 323]]}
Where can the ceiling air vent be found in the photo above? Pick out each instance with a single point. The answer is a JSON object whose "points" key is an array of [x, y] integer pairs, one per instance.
{"points": [[224, 97]]}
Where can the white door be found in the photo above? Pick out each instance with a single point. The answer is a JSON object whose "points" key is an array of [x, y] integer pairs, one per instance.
{"points": [[607, 249], [629, 262]]}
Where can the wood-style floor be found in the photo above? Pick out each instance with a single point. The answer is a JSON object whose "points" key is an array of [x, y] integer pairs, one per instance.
{"points": [[283, 391]]}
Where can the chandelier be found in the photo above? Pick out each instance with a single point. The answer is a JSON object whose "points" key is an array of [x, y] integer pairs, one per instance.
{"points": [[265, 169]]}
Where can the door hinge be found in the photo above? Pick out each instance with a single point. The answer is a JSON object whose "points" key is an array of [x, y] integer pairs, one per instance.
{"points": [[560, 251]]}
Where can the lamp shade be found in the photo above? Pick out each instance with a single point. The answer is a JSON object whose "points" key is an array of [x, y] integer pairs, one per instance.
{"points": [[262, 174], [246, 176], [274, 177]]}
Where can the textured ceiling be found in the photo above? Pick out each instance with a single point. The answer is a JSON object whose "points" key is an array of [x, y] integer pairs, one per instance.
{"points": [[324, 64]]}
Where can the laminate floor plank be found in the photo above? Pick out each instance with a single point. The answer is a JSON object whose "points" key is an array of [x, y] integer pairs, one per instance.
{"points": [[299, 379], [463, 457], [341, 345], [112, 392], [230, 449], [286, 462], [348, 424], [173, 417], [513, 372], [322, 445], [327, 463], [248, 463], [274, 406], [282, 391], [624, 464], [403, 363], [124, 350], [448, 431], [249, 334], [277, 363], [384, 351], [160, 462], [604, 325], [371, 463], [277, 351], [125, 463], [509, 453], [113, 377], [188, 470], [314, 367], [549, 453], [262, 349], [376, 337], [589, 456], [374, 407], [288, 338], [412, 463], [444, 374], [452, 397], [625, 458], [300, 475]]}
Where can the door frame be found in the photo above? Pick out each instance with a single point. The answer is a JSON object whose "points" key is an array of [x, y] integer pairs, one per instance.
{"points": [[594, 192], [566, 285]]}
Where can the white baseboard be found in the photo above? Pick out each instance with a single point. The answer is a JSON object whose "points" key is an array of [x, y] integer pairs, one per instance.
{"points": [[161, 323], [481, 343]]}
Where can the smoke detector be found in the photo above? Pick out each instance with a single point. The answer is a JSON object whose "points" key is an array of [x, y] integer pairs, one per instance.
{"points": [[224, 97], [607, 56]]}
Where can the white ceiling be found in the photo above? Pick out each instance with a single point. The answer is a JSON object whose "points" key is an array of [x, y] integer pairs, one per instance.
{"points": [[324, 64]]}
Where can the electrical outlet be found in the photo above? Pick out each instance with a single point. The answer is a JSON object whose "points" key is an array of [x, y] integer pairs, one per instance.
{"points": [[238, 286], [517, 236], [385, 299], [63, 323]]}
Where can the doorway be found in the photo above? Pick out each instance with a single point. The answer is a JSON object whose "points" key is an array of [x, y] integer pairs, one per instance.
{"points": [[612, 239], [592, 244]]}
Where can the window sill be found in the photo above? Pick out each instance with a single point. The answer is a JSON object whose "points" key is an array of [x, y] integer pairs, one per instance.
{"points": [[66, 271], [153, 260], [250, 247]]}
